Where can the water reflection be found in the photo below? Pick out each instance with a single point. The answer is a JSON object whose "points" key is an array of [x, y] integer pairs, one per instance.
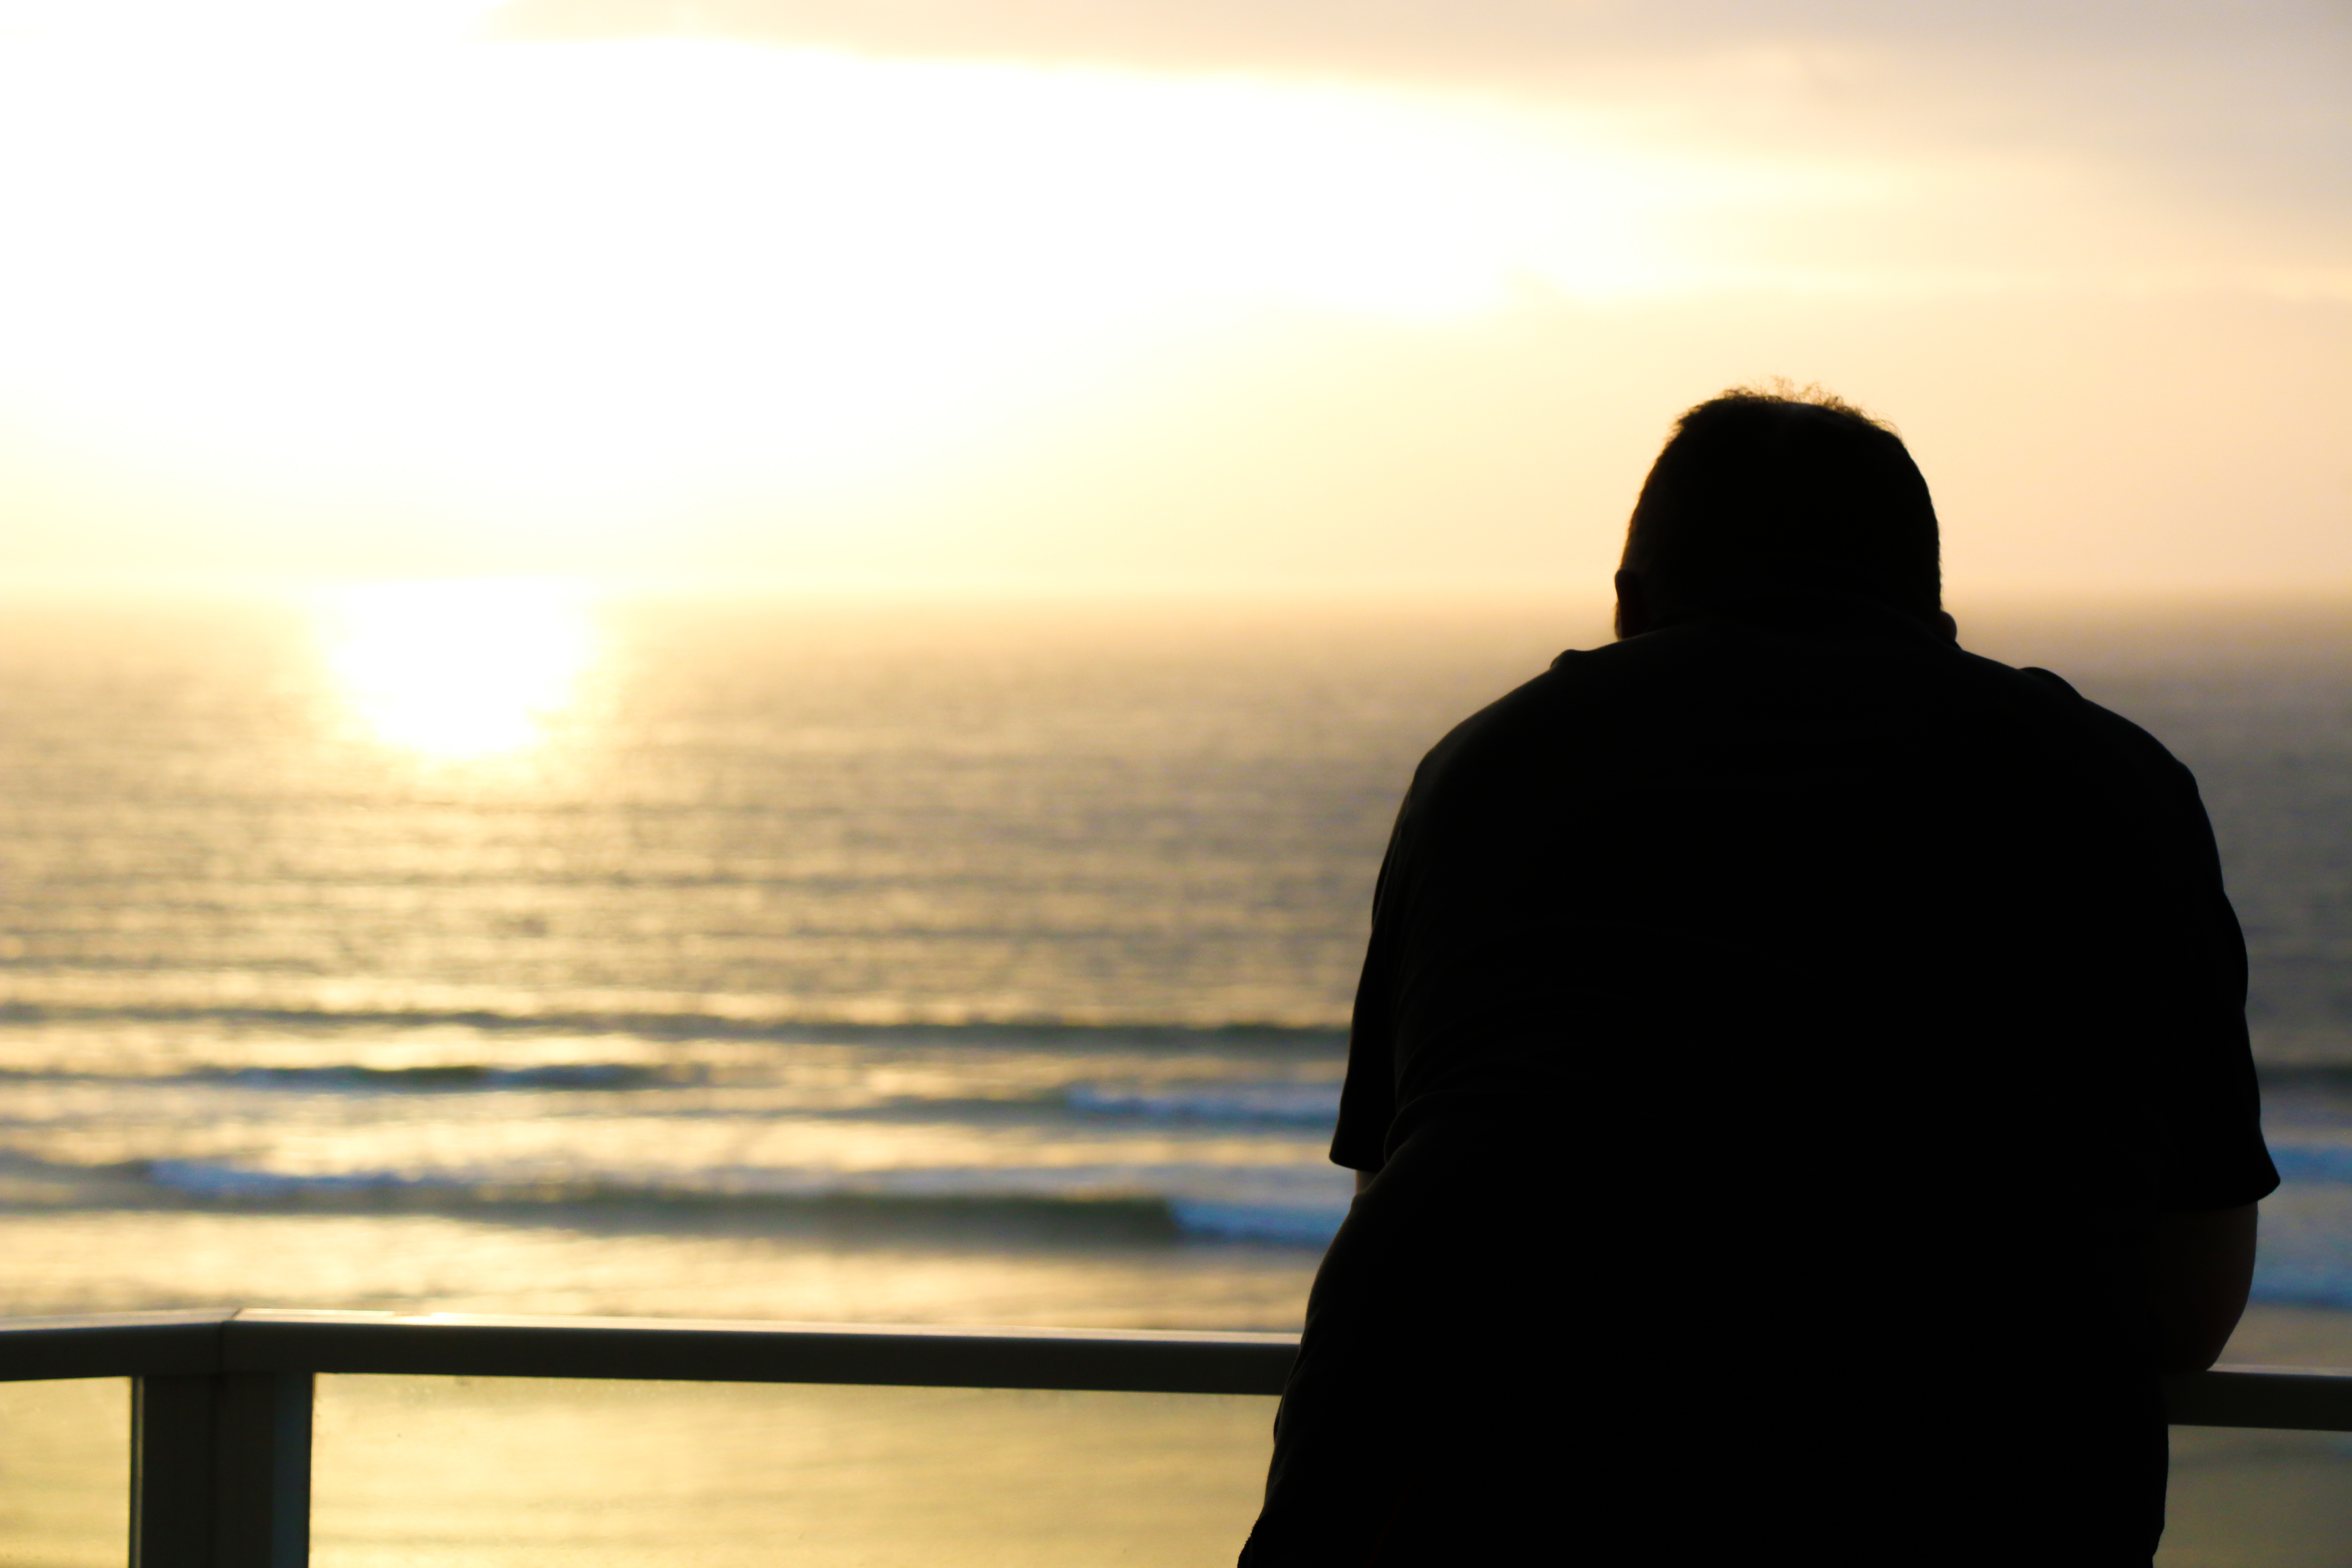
{"points": [[460, 668]]}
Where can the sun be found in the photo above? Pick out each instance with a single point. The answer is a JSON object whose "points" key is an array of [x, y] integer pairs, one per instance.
{"points": [[457, 669]]}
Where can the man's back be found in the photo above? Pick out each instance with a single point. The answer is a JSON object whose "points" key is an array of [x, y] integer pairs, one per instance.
{"points": [[1778, 1035]]}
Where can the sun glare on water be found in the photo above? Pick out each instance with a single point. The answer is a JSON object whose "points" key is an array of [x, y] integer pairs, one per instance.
{"points": [[456, 670]]}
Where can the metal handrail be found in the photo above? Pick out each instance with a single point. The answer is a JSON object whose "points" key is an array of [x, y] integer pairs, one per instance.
{"points": [[222, 1401], [139, 1344]]}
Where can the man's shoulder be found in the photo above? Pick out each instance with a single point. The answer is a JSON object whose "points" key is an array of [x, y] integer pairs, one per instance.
{"points": [[1573, 701], [1621, 690], [2126, 744], [1581, 692], [1504, 727]]}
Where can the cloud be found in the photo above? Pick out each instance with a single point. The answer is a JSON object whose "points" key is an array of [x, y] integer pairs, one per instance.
{"points": [[1036, 287], [2246, 108]]}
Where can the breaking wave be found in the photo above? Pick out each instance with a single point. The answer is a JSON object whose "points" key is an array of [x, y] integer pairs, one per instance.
{"points": [[1106, 1202]]}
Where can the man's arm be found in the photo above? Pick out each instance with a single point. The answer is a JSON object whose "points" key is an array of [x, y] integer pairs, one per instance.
{"points": [[2204, 1265]]}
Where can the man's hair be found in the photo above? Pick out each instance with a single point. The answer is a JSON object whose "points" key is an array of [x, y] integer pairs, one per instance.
{"points": [[1776, 487]]}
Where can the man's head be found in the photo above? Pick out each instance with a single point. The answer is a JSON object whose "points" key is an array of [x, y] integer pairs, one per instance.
{"points": [[1770, 491]]}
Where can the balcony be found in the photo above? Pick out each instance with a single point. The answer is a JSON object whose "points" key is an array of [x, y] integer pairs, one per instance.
{"points": [[257, 1439]]}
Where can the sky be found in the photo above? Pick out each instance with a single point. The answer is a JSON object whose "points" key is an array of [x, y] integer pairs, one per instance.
{"points": [[1227, 294]]}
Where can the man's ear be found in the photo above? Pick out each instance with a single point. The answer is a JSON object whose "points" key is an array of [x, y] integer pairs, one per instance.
{"points": [[1633, 616], [1948, 627]]}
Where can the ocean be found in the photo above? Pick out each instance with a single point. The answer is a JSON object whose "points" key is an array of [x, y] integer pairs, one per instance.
{"points": [[493, 947], [500, 946], [504, 947]]}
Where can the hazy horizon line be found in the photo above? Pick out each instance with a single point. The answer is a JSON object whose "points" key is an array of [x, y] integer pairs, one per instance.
{"points": [[2313, 594]]}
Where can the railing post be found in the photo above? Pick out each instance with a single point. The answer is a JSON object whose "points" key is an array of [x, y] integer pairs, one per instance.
{"points": [[171, 1422], [220, 1471]]}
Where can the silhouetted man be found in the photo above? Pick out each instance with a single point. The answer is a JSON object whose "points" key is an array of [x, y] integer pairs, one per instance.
{"points": [[1798, 1082]]}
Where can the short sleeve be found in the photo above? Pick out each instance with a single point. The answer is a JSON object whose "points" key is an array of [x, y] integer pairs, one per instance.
{"points": [[1368, 1099], [2214, 1155]]}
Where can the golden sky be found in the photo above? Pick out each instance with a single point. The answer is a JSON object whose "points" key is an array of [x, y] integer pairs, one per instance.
{"points": [[1232, 293]]}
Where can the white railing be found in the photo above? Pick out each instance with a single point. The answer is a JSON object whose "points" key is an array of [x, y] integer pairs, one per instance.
{"points": [[221, 1401]]}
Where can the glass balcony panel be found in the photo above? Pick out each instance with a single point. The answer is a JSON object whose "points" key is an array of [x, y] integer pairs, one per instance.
{"points": [[64, 1473], [532, 1473], [2246, 1498]]}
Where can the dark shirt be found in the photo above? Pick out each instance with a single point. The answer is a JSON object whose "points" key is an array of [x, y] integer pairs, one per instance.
{"points": [[1778, 1035]]}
